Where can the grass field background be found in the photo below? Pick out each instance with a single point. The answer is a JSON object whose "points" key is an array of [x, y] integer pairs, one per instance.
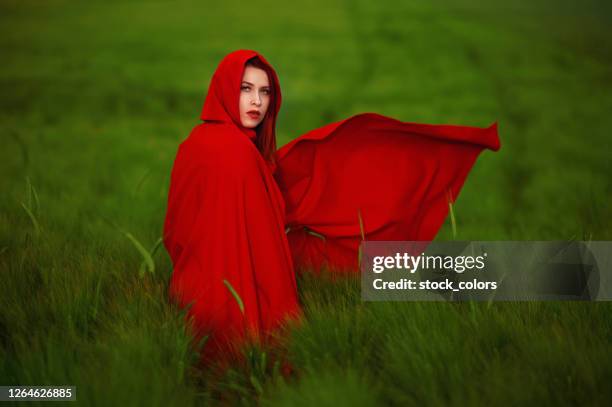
{"points": [[97, 95]]}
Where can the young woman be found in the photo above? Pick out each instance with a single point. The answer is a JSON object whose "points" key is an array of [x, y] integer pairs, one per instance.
{"points": [[241, 214], [225, 222]]}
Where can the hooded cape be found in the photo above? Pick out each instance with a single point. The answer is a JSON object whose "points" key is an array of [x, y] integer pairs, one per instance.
{"points": [[224, 227], [237, 225]]}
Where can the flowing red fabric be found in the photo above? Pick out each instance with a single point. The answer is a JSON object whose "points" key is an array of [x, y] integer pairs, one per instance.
{"points": [[375, 177], [233, 217]]}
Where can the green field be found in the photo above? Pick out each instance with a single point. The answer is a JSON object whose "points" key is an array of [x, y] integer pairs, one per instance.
{"points": [[96, 96]]}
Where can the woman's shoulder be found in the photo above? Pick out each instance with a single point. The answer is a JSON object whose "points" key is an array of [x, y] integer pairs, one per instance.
{"points": [[216, 135], [208, 141]]}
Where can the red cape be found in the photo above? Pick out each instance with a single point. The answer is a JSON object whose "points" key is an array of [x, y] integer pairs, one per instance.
{"points": [[225, 222], [398, 177], [227, 213]]}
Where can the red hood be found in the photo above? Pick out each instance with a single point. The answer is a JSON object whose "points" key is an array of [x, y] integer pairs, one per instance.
{"points": [[221, 104]]}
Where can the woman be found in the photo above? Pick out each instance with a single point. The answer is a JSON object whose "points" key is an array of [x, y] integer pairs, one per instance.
{"points": [[241, 215], [224, 226]]}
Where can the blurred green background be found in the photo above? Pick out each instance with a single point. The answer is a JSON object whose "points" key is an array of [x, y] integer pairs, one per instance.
{"points": [[97, 95]]}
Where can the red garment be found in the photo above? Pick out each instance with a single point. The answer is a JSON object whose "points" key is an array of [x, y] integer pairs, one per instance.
{"points": [[226, 214], [225, 221], [398, 177]]}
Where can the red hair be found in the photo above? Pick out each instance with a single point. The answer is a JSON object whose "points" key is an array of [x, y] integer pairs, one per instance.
{"points": [[266, 135]]}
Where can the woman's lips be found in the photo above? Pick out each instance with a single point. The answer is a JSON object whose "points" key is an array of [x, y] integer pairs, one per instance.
{"points": [[253, 115]]}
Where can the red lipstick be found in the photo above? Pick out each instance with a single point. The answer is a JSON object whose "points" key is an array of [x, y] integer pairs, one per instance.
{"points": [[254, 114]]}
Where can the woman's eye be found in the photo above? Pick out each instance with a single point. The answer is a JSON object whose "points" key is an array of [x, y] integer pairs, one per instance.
{"points": [[266, 91], [244, 88]]}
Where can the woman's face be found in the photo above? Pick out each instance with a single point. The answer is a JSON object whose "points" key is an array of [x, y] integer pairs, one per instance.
{"points": [[254, 96]]}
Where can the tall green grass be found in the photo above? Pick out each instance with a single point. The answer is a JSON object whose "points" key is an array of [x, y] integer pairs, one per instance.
{"points": [[96, 97]]}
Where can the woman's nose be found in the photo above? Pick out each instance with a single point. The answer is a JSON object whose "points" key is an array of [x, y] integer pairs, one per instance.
{"points": [[256, 100]]}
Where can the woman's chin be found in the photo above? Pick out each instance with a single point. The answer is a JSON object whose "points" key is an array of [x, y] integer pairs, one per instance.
{"points": [[250, 123]]}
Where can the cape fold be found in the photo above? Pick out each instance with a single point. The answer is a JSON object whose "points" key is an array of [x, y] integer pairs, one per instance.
{"points": [[372, 175]]}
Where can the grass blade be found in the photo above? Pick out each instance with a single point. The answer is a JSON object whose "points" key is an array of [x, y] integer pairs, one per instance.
{"points": [[359, 253], [32, 218], [96, 298], [256, 384], [312, 232], [147, 263], [452, 215], [32, 205], [146, 256], [32, 195], [235, 294], [361, 224], [156, 246]]}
